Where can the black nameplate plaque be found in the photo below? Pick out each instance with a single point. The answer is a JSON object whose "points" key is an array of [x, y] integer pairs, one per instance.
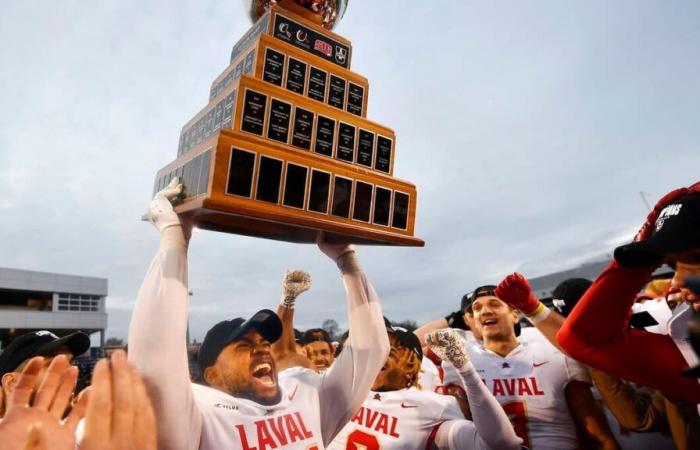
{"points": [[317, 84], [248, 68], [296, 76], [383, 161], [280, 117], [204, 172], [365, 148], [253, 112], [318, 192], [356, 96], [336, 93], [227, 120], [248, 38], [363, 201], [325, 129], [303, 126], [382, 206], [400, 210], [342, 192], [269, 180], [238, 71], [315, 43], [219, 114], [274, 67], [295, 186], [240, 174], [346, 142]]}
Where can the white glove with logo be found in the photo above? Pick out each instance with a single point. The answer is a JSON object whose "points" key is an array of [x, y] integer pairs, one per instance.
{"points": [[294, 283], [160, 211], [448, 345], [342, 254]]}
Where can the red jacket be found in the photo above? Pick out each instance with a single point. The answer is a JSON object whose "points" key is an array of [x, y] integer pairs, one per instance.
{"points": [[597, 333]]}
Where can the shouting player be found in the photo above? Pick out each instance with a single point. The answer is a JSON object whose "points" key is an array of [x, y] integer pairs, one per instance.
{"points": [[245, 404], [545, 393], [398, 415]]}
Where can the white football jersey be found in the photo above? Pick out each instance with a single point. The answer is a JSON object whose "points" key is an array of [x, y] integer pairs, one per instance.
{"points": [[529, 384], [406, 419], [234, 423]]}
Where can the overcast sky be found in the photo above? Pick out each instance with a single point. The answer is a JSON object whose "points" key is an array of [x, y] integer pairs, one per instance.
{"points": [[529, 128]]}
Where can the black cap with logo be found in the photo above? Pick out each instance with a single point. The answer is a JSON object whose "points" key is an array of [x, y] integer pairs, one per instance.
{"points": [[676, 230], [223, 333], [567, 294], [407, 338], [40, 343]]}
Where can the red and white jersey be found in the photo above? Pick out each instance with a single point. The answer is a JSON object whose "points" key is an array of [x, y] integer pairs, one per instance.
{"points": [[529, 384], [406, 419], [232, 422]]}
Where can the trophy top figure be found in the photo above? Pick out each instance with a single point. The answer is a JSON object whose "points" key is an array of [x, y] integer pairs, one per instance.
{"points": [[326, 13]]}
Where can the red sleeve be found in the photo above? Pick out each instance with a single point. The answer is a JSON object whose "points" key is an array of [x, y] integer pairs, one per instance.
{"points": [[597, 333]]}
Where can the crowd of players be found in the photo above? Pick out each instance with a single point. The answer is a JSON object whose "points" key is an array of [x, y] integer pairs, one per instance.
{"points": [[613, 365]]}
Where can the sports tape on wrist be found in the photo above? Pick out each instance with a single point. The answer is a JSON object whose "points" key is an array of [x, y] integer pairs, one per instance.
{"points": [[540, 313]]}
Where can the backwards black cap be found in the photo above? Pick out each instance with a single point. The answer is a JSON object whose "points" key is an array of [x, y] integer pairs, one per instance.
{"points": [[676, 230], [40, 343], [567, 294], [223, 333], [407, 338], [481, 291]]}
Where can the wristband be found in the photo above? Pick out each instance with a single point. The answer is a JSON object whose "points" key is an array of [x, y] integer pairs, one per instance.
{"points": [[540, 313], [348, 263], [288, 301]]}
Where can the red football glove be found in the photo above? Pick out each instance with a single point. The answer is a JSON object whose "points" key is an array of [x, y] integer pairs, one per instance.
{"points": [[650, 223], [517, 293]]}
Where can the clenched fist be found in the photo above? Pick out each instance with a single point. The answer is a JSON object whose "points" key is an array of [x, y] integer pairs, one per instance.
{"points": [[294, 283], [449, 346]]}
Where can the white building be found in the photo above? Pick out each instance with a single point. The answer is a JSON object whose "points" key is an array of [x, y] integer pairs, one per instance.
{"points": [[60, 303]]}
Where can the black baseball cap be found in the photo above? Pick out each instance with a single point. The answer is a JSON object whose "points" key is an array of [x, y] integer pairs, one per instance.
{"points": [[676, 230], [567, 294], [223, 333], [40, 343], [407, 338], [481, 291], [315, 334]]}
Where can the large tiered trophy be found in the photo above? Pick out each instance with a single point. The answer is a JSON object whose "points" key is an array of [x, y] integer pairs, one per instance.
{"points": [[284, 149]]}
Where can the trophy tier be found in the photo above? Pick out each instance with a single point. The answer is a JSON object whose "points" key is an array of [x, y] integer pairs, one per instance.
{"points": [[284, 149]]}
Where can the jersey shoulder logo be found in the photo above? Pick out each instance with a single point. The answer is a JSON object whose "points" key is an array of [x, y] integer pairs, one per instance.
{"points": [[539, 364]]}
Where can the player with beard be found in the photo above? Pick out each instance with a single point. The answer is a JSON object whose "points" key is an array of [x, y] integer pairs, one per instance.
{"points": [[597, 331], [398, 415], [245, 404], [546, 394]]}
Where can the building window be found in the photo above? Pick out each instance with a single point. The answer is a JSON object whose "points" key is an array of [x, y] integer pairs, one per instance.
{"points": [[79, 302]]}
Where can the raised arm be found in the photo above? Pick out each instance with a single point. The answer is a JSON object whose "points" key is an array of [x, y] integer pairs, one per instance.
{"points": [[346, 384], [597, 332], [491, 428], [157, 333], [285, 350], [515, 290]]}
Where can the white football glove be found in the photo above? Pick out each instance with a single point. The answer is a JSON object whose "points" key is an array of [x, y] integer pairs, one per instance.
{"points": [[294, 283], [448, 345], [342, 254], [160, 211]]}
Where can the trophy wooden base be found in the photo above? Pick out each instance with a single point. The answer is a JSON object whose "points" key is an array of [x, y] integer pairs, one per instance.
{"points": [[208, 215], [242, 184]]}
